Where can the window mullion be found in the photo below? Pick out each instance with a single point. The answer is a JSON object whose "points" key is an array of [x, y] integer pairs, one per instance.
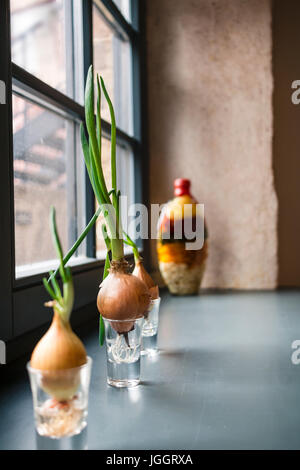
{"points": [[135, 11], [87, 23], [6, 177], [139, 90]]}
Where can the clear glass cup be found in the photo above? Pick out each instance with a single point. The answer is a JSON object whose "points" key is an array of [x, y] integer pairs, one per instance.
{"points": [[123, 352], [150, 329], [60, 400]]}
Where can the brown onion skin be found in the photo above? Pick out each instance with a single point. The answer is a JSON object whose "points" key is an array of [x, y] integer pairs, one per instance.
{"points": [[57, 355], [59, 348], [121, 297], [140, 272]]}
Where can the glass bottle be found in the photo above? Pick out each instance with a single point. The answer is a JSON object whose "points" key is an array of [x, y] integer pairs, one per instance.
{"points": [[181, 267]]}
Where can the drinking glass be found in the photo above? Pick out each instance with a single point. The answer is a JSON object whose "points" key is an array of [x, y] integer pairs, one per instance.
{"points": [[123, 351], [150, 329], [60, 400]]}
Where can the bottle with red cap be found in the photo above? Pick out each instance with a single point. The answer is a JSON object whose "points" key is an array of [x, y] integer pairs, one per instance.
{"points": [[181, 268]]}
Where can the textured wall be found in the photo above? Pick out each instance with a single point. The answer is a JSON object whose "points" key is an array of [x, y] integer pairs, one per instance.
{"points": [[210, 120]]}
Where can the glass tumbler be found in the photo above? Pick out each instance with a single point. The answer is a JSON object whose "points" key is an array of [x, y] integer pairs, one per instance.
{"points": [[150, 329], [60, 400], [123, 351]]}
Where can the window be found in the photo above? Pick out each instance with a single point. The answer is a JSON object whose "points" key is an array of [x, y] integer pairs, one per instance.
{"points": [[46, 48]]}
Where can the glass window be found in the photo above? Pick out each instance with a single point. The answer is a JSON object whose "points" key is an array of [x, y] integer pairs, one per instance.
{"points": [[46, 170], [112, 59], [43, 176], [52, 44], [39, 41]]}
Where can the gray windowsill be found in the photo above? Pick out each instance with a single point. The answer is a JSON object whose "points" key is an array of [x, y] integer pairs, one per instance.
{"points": [[223, 380]]}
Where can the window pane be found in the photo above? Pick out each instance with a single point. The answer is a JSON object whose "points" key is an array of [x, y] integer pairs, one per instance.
{"points": [[125, 178], [112, 60], [43, 176], [124, 7], [38, 30]]}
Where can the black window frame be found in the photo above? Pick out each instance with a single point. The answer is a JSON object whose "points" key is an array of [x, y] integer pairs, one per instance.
{"points": [[23, 316]]}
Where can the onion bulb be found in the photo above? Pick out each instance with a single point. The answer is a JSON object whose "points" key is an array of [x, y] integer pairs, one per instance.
{"points": [[122, 297], [59, 348], [140, 272]]}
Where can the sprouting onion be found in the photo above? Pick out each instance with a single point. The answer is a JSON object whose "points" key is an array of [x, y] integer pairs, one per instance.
{"points": [[59, 351], [121, 296], [139, 269]]}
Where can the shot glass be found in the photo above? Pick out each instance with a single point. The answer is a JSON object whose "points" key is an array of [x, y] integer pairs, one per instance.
{"points": [[150, 329], [123, 352], [55, 417]]}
